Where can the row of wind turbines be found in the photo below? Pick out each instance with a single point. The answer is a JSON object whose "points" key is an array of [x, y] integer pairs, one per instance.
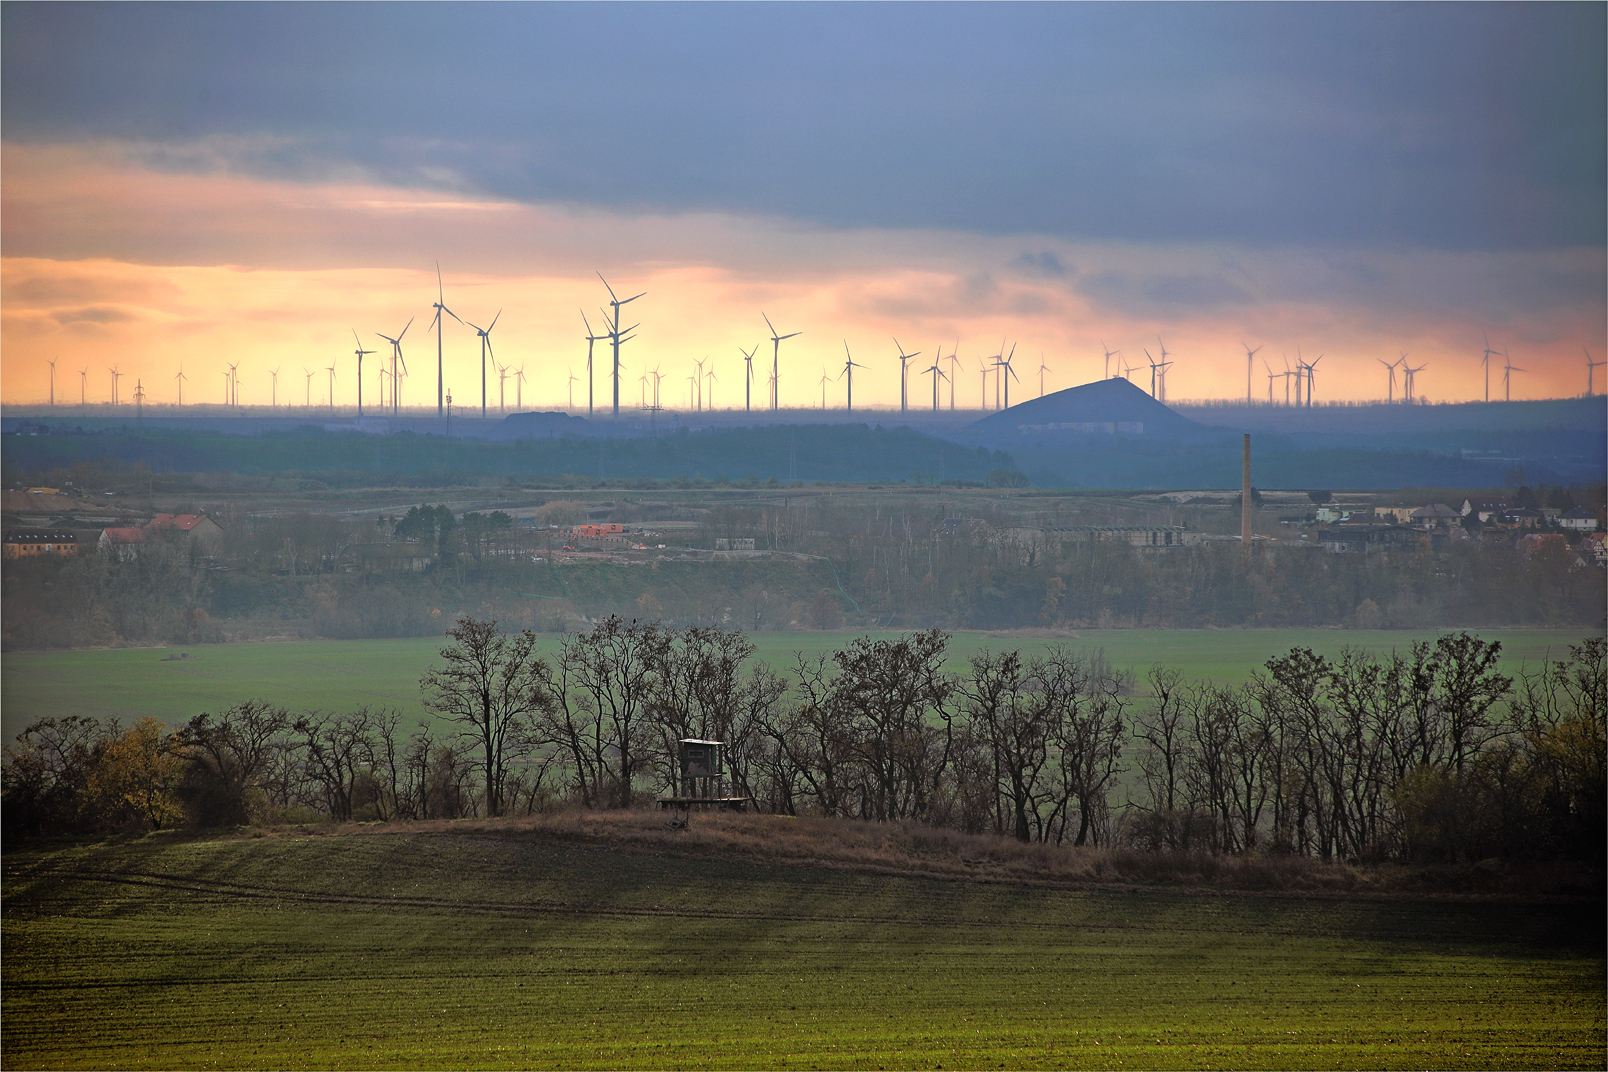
{"points": [[997, 367]]}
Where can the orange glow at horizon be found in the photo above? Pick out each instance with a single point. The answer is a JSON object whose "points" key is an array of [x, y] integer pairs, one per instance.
{"points": [[111, 264]]}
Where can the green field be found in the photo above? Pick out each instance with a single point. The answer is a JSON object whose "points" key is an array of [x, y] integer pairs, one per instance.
{"points": [[131, 683], [341, 674], [497, 946]]}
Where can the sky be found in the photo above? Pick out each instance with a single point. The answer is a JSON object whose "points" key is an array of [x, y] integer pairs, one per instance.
{"points": [[184, 187]]}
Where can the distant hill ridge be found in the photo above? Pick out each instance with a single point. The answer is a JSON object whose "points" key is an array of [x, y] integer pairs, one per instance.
{"points": [[1114, 406]]}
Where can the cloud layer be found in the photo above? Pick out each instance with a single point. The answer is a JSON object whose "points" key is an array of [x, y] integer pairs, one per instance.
{"points": [[185, 182]]}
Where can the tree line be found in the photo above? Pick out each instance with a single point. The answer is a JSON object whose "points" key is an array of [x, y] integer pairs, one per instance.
{"points": [[1424, 755]]}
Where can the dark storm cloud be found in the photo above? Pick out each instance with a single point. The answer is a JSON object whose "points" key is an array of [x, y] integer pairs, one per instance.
{"points": [[1448, 126]]}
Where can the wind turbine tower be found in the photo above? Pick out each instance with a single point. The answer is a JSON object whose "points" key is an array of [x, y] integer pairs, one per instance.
{"points": [[181, 377], [396, 356], [748, 379], [53, 379], [1249, 354], [904, 375], [485, 348], [776, 361], [1508, 369], [361, 353], [1591, 369], [849, 366], [1485, 361], [1390, 367], [615, 333], [1409, 392], [441, 327]]}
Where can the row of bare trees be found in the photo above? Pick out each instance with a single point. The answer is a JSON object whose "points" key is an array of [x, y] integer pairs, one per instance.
{"points": [[1428, 754]]}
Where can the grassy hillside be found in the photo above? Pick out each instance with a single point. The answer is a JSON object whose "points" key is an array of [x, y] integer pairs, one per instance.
{"points": [[132, 683], [506, 945]]}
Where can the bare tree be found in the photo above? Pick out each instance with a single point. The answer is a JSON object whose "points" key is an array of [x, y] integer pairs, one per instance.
{"points": [[493, 687]]}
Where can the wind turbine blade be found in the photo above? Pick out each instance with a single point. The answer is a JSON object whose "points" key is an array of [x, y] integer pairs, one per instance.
{"points": [[495, 319]]}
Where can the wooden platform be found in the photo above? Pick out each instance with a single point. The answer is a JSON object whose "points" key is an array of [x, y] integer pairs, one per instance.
{"points": [[706, 803]]}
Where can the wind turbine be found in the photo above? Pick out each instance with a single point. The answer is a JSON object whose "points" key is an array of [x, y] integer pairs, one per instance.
{"points": [[519, 388], [502, 383], [52, 364], [1271, 376], [904, 375], [1409, 392], [274, 386], [1162, 367], [825, 379], [331, 370], [1508, 369], [1006, 372], [748, 378], [1311, 378], [935, 372], [615, 333], [115, 377], [83, 385], [590, 339], [1591, 369], [181, 377], [1249, 353], [226, 375], [1109, 354], [982, 399], [1042, 369], [713, 379], [441, 327], [361, 353], [1485, 360], [396, 356], [485, 348], [1152, 373], [697, 372], [1127, 370], [572, 379], [776, 361], [309, 401], [1390, 367], [849, 365]]}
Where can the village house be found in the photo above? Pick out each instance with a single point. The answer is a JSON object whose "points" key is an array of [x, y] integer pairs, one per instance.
{"points": [[195, 526], [1484, 508], [1366, 539], [1578, 520], [40, 542], [1435, 515], [122, 543]]}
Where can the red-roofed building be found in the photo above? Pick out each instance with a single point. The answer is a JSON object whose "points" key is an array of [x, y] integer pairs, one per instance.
{"points": [[122, 543], [197, 526]]}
